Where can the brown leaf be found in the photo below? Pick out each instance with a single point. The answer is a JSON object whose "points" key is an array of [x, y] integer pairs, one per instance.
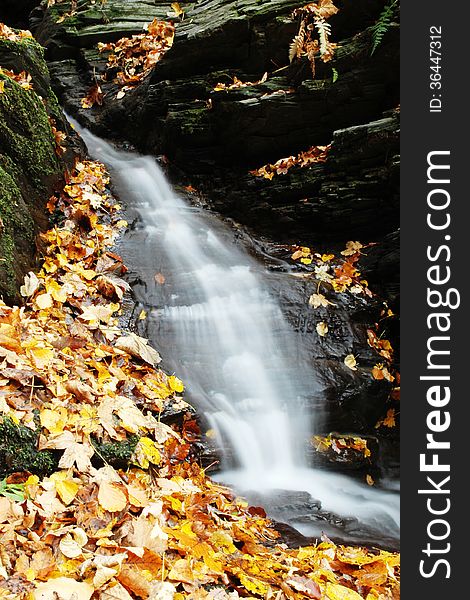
{"points": [[138, 347], [305, 586]]}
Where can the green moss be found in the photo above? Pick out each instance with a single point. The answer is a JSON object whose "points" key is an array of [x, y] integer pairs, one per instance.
{"points": [[18, 451], [25, 132], [191, 120], [117, 454], [15, 222]]}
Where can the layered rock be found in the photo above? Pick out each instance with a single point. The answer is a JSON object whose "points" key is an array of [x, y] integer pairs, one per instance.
{"points": [[176, 111]]}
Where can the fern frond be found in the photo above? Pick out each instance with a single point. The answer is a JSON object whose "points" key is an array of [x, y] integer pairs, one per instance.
{"points": [[297, 44], [382, 25], [324, 30]]}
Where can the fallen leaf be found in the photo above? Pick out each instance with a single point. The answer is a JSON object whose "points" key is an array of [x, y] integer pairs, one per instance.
{"points": [[322, 328], [350, 362], [138, 347], [31, 284], [352, 248], [112, 496], [305, 586], [334, 591], [63, 588], [317, 300]]}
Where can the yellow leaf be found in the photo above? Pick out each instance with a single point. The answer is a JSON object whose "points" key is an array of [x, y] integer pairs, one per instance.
{"points": [[53, 420], [56, 291], [146, 452], [177, 9], [222, 540], [31, 485], [2, 86], [66, 488], [253, 585], [112, 497], [306, 261], [322, 328], [175, 384], [142, 315], [42, 356], [352, 248], [370, 480], [350, 362], [70, 547], [334, 591]]}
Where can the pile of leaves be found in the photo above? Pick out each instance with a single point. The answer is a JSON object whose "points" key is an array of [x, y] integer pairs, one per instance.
{"points": [[340, 444], [315, 154], [23, 79], [13, 35], [133, 58], [313, 37], [237, 84], [338, 273], [160, 529]]}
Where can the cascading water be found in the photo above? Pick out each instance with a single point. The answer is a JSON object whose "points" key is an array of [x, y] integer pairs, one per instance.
{"points": [[224, 334]]}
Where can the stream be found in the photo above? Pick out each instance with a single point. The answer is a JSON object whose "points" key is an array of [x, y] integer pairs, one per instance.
{"points": [[220, 328]]}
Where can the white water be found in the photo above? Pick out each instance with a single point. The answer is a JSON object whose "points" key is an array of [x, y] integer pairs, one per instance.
{"points": [[226, 337]]}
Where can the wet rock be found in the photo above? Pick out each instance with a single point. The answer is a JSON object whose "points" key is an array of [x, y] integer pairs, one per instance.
{"points": [[216, 137], [30, 168]]}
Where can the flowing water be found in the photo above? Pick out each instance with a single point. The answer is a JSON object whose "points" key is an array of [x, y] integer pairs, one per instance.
{"points": [[221, 330]]}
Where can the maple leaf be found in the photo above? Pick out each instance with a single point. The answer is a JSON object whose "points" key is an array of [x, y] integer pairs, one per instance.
{"points": [[317, 300], [93, 96], [388, 420], [352, 248]]}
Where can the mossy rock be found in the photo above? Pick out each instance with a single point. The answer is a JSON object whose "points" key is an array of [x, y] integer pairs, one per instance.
{"points": [[19, 451], [30, 169]]}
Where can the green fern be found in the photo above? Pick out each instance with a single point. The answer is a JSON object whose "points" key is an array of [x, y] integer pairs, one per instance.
{"points": [[382, 25]]}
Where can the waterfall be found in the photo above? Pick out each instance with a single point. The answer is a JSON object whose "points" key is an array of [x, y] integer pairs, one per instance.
{"points": [[221, 330]]}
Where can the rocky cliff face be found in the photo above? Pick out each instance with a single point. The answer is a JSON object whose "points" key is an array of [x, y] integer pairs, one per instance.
{"points": [[216, 137], [30, 165]]}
